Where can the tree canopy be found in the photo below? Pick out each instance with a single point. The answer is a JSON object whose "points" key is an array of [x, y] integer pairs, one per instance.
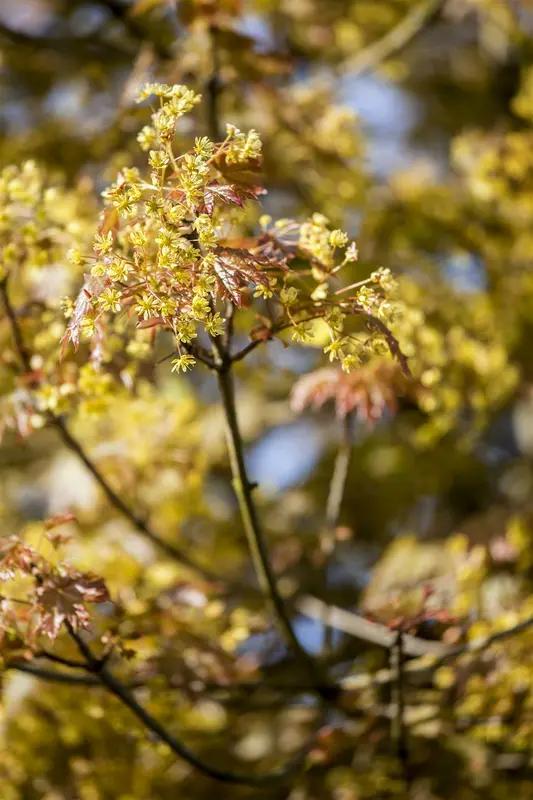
{"points": [[266, 399]]}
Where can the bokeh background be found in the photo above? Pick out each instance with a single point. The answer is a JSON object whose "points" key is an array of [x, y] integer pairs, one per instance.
{"points": [[409, 125]]}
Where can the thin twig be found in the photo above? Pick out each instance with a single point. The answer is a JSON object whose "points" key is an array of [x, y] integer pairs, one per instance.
{"points": [[65, 662], [52, 675], [428, 655], [60, 425], [246, 350], [243, 490], [337, 488], [395, 40], [117, 688], [170, 550]]}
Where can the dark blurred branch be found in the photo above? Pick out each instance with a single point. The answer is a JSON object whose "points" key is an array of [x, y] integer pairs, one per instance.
{"points": [[65, 662], [126, 696], [75, 47], [122, 13], [429, 655], [213, 89], [398, 728], [170, 550], [227, 692], [373, 56], [337, 486]]}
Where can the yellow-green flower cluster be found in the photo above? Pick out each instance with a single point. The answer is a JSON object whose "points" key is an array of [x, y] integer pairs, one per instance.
{"points": [[160, 254]]}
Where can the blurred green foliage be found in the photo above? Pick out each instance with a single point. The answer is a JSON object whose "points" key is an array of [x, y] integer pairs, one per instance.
{"points": [[436, 520]]}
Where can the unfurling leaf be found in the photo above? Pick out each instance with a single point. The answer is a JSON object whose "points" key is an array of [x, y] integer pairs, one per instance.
{"points": [[236, 269], [64, 597]]}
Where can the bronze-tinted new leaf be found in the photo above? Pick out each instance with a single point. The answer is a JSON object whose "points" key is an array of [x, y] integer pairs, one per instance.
{"points": [[370, 391], [228, 193], [236, 269], [64, 597], [15, 556]]}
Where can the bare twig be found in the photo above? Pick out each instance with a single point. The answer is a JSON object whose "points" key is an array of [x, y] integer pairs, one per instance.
{"points": [[246, 350], [367, 631], [170, 550], [65, 662], [337, 488], [213, 88], [394, 41], [52, 675], [126, 696]]}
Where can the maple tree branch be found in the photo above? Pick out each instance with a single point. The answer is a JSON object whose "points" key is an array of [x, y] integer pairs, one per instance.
{"points": [[337, 486], [337, 489], [66, 662], [213, 88], [398, 728], [254, 533], [170, 550], [126, 696], [371, 57], [52, 675], [428, 655]]}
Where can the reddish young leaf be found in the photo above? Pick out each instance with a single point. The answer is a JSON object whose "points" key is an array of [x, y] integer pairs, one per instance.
{"points": [[235, 269], [109, 220], [244, 173], [64, 597], [370, 390]]}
